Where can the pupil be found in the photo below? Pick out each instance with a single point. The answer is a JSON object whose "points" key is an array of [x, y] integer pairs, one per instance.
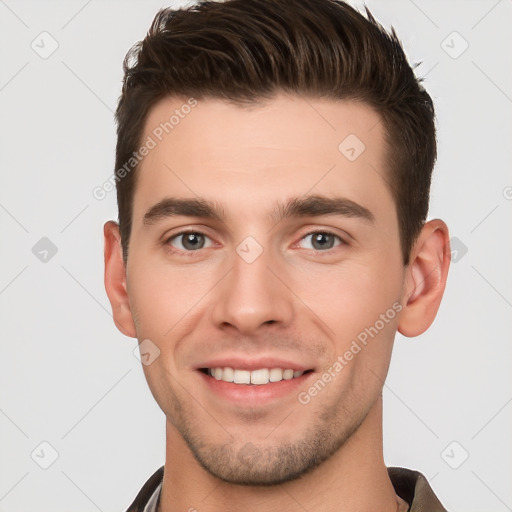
{"points": [[323, 239], [192, 241]]}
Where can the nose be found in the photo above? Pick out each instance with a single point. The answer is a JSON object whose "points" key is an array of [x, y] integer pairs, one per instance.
{"points": [[252, 295]]}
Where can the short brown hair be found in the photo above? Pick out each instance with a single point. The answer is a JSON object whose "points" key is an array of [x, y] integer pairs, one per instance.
{"points": [[243, 51]]}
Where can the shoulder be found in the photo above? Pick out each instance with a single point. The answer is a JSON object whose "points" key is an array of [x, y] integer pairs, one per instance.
{"points": [[414, 488], [147, 497]]}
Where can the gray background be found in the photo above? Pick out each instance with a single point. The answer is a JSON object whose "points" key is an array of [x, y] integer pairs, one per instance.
{"points": [[69, 379]]}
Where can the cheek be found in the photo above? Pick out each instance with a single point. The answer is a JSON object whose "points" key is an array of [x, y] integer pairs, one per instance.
{"points": [[353, 296], [163, 302], [361, 309], [162, 296]]}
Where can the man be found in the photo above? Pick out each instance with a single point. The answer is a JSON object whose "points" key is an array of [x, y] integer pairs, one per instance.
{"points": [[273, 169]]}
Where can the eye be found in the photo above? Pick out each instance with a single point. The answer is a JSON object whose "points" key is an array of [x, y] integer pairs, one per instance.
{"points": [[322, 240], [188, 241]]}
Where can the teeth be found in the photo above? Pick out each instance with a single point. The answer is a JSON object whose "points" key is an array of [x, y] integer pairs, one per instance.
{"points": [[276, 374], [288, 374], [228, 374], [242, 377], [258, 377]]}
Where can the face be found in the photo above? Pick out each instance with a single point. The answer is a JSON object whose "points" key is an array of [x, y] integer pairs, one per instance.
{"points": [[265, 267]]}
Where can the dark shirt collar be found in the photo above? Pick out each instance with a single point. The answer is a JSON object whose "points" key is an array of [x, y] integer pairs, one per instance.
{"points": [[410, 485]]}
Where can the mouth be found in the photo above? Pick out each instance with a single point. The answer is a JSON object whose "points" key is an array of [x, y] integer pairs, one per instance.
{"points": [[258, 377], [244, 382]]}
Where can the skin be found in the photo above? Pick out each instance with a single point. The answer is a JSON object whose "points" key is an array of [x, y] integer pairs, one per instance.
{"points": [[291, 302]]}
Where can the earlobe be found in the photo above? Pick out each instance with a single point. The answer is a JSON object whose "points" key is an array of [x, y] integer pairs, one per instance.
{"points": [[425, 279], [115, 280]]}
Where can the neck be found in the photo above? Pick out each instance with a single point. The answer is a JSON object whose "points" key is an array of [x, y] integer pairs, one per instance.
{"points": [[355, 478]]}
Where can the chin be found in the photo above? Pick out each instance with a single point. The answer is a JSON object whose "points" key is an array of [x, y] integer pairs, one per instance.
{"points": [[250, 464]]}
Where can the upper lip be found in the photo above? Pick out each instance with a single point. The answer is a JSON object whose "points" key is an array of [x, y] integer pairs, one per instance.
{"points": [[245, 363]]}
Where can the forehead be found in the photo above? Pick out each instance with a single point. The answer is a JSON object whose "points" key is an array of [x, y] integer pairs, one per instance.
{"points": [[285, 146], [268, 127]]}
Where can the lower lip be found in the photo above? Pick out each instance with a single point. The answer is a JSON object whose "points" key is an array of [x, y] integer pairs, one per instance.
{"points": [[254, 394]]}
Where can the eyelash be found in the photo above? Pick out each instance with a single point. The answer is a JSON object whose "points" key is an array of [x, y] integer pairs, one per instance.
{"points": [[173, 250]]}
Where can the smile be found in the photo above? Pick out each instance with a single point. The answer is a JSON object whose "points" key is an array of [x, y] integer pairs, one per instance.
{"points": [[260, 376]]}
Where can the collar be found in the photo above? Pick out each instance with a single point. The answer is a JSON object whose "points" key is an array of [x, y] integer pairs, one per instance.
{"points": [[410, 485]]}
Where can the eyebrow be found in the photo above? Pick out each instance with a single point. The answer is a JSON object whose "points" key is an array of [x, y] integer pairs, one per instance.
{"points": [[309, 206]]}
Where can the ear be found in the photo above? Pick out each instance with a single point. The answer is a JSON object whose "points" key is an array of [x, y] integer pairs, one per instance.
{"points": [[115, 280], [425, 278]]}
